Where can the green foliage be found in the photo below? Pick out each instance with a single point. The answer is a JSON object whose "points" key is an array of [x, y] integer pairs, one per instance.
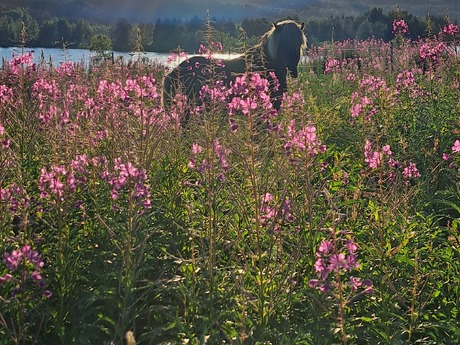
{"points": [[100, 44], [206, 233]]}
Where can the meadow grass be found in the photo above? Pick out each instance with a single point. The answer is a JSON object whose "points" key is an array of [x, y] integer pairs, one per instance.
{"points": [[333, 221]]}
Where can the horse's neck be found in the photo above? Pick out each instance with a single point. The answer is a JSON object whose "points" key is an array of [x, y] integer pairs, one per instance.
{"points": [[260, 57]]}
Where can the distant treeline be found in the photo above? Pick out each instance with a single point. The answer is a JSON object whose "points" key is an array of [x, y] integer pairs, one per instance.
{"points": [[18, 26]]}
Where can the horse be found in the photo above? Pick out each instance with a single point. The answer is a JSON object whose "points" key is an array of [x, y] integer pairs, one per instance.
{"points": [[279, 51]]}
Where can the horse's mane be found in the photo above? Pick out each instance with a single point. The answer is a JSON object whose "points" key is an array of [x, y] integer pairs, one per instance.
{"points": [[261, 46]]}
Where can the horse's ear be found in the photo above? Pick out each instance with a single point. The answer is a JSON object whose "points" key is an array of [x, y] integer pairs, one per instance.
{"points": [[302, 25]]}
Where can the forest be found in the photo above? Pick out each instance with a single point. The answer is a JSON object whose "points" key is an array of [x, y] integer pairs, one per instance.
{"points": [[19, 27]]}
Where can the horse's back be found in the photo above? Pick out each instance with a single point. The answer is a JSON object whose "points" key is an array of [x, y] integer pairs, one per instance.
{"points": [[186, 79], [189, 77]]}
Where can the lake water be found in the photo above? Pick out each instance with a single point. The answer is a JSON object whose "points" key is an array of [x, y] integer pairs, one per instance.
{"points": [[84, 56], [76, 55]]}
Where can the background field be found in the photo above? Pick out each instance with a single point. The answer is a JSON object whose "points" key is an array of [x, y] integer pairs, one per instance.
{"points": [[332, 221]]}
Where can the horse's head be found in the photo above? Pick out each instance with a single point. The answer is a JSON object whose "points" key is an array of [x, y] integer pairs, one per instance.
{"points": [[285, 45]]}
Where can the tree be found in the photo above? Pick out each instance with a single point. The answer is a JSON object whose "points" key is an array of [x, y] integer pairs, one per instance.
{"points": [[123, 35], [5, 32], [255, 27], [376, 15], [48, 35], [364, 31], [100, 44], [63, 30], [82, 33]]}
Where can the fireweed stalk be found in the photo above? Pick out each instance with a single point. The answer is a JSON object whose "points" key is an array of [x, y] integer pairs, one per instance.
{"points": [[336, 260], [24, 287], [129, 191]]}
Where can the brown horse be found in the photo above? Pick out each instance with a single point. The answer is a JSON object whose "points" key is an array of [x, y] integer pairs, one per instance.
{"points": [[278, 51]]}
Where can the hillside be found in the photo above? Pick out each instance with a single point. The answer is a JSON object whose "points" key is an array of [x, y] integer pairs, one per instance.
{"points": [[142, 10]]}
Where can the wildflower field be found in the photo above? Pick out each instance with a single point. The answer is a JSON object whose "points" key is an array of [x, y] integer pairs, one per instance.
{"points": [[333, 221]]}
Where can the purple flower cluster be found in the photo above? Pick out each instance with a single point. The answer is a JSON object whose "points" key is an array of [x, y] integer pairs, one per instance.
{"points": [[6, 94], [28, 263], [406, 82], [15, 197], [400, 27], [331, 65], [26, 60], [5, 142], [275, 213], [364, 102], [339, 260], [251, 94], [456, 146], [219, 152], [303, 140], [374, 159], [431, 52], [218, 93], [411, 171], [60, 179], [47, 92], [450, 29], [126, 175]]}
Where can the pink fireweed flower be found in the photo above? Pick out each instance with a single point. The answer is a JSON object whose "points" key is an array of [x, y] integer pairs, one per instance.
{"points": [[15, 197], [400, 27], [432, 52], [331, 65], [357, 283], [60, 180], [218, 93], [219, 46], [273, 213], [51, 182], [5, 278], [406, 82], [304, 140], [221, 154], [411, 171], [325, 247], [66, 69], [450, 29], [337, 260], [24, 264], [196, 149], [239, 86], [387, 150], [456, 146], [365, 101], [351, 246], [6, 94], [25, 60], [372, 158], [24, 255], [202, 50], [248, 95], [175, 58], [127, 177]]}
